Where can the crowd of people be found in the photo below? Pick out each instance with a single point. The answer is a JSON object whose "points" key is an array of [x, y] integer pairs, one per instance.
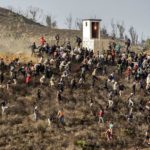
{"points": [[124, 71]]}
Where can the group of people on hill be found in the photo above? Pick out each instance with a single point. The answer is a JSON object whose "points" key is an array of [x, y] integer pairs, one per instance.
{"points": [[57, 67]]}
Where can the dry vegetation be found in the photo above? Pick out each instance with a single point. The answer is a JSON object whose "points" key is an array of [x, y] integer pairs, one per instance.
{"points": [[18, 131]]}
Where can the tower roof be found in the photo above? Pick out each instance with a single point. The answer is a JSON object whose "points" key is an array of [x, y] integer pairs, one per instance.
{"points": [[92, 20]]}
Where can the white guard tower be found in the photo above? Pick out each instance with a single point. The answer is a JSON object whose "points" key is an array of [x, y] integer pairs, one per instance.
{"points": [[91, 34]]}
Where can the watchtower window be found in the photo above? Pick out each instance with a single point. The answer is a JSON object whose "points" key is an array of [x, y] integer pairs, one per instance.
{"points": [[95, 30], [86, 24]]}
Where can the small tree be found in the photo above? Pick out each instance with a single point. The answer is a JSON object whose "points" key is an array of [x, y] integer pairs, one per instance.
{"points": [[34, 13], [114, 28], [136, 38], [69, 21], [134, 35], [51, 22], [10, 8], [54, 24], [104, 31], [48, 21], [126, 37], [121, 30], [78, 24], [147, 44]]}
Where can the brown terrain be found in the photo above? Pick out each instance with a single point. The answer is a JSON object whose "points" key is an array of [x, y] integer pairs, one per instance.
{"points": [[18, 130], [18, 32]]}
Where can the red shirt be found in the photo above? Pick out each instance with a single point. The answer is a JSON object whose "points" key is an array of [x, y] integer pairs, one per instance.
{"points": [[100, 113], [135, 67], [28, 78], [42, 41], [113, 53]]}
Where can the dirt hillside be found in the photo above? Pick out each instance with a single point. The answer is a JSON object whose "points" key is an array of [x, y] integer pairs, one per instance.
{"points": [[19, 130], [18, 32]]}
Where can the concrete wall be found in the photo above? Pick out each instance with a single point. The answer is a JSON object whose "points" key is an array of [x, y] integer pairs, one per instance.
{"points": [[86, 30], [88, 42]]}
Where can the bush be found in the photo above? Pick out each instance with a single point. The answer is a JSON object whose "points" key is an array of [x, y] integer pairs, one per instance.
{"points": [[41, 127], [80, 143], [130, 132], [147, 44], [15, 121]]}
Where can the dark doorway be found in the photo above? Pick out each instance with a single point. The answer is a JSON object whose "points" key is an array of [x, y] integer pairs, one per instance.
{"points": [[95, 30]]}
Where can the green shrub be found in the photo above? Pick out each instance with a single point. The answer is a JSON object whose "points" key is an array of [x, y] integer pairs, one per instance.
{"points": [[130, 132], [80, 143]]}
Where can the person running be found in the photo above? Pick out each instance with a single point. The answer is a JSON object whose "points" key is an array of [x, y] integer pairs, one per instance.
{"points": [[42, 41], [1, 77], [130, 102], [91, 103], [33, 48], [61, 85], [101, 116], [110, 103], [109, 135], [94, 77], [115, 88], [49, 121], [57, 38], [42, 80], [134, 87], [28, 79], [128, 44], [78, 41], [61, 116], [128, 73], [4, 107], [111, 125], [59, 97], [81, 82], [52, 82], [36, 114], [147, 137], [73, 83], [39, 94], [8, 84], [121, 88]]}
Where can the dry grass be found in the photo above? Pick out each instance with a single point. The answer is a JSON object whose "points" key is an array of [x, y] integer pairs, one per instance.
{"points": [[18, 130]]}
